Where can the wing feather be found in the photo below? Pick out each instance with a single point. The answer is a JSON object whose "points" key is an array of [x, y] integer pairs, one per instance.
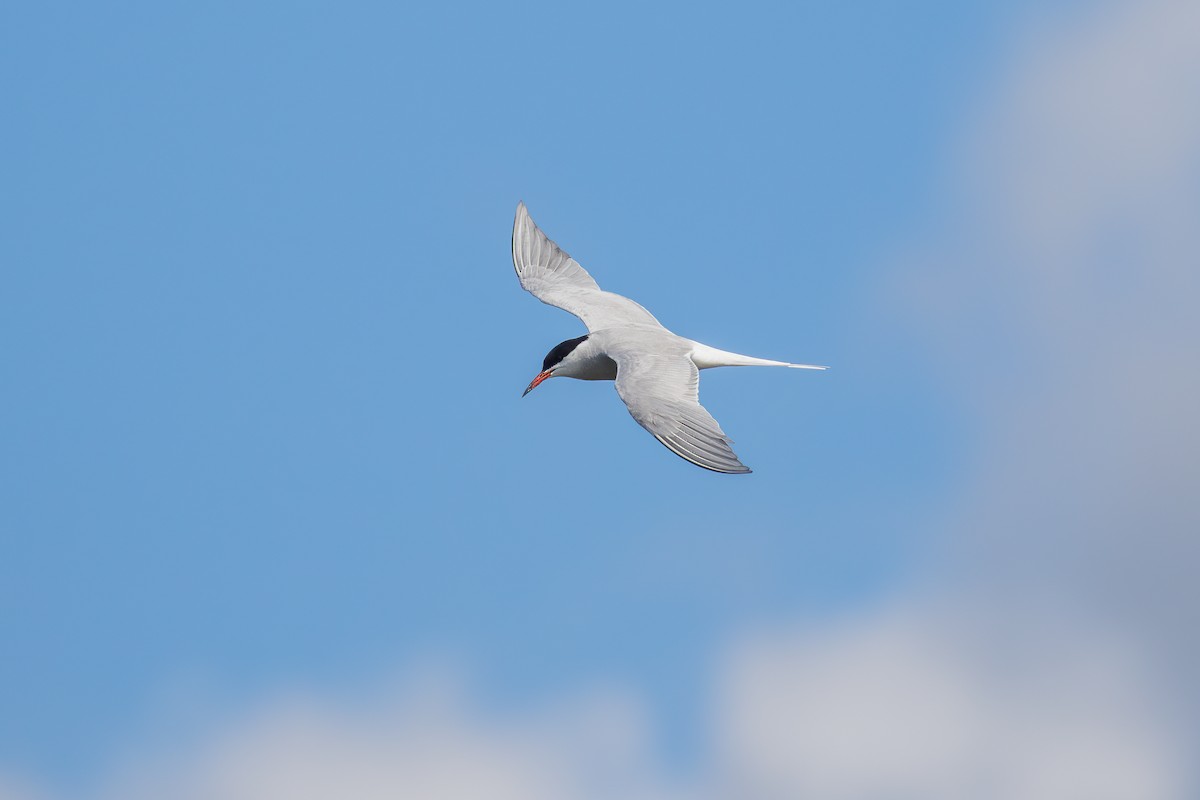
{"points": [[661, 389], [549, 274]]}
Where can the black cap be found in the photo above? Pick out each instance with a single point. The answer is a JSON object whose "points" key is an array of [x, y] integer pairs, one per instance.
{"points": [[561, 351]]}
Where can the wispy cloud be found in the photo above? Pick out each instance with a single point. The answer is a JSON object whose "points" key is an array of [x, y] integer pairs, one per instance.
{"points": [[1079, 246], [922, 702], [423, 738]]}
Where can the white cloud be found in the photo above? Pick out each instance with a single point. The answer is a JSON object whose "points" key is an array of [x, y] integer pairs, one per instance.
{"points": [[426, 740], [1082, 247], [917, 704], [909, 703]]}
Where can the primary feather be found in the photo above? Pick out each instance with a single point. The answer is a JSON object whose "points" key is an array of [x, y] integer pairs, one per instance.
{"points": [[549, 274]]}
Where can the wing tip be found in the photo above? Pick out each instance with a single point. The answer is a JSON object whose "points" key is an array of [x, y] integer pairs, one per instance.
{"points": [[710, 465], [805, 366], [742, 470]]}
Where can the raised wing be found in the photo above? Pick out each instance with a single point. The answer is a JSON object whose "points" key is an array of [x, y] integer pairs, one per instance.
{"points": [[553, 277], [662, 392]]}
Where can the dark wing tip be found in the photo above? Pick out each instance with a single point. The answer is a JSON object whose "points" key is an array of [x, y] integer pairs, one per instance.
{"points": [[726, 465]]}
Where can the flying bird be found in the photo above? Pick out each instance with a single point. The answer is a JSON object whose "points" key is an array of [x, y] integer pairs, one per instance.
{"points": [[657, 372]]}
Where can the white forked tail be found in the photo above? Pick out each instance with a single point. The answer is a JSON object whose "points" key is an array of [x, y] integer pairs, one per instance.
{"points": [[705, 357]]}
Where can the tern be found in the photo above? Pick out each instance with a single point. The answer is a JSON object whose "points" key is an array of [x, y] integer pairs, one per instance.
{"points": [[657, 372]]}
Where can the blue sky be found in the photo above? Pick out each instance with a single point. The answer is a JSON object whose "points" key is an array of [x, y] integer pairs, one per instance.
{"points": [[264, 348]]}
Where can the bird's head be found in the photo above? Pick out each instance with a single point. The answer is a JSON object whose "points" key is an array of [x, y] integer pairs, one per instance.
{"points": [[555, 361]]}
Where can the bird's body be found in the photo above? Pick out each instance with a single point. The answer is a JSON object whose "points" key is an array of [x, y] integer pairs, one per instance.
{"points": [[657, 372]]}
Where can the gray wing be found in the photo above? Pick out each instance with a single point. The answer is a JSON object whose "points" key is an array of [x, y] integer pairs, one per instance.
{"points": [[662, 392], [553, 277]]}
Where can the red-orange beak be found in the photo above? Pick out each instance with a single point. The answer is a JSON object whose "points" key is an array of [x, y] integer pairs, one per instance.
{"points": [[541, 376]]}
